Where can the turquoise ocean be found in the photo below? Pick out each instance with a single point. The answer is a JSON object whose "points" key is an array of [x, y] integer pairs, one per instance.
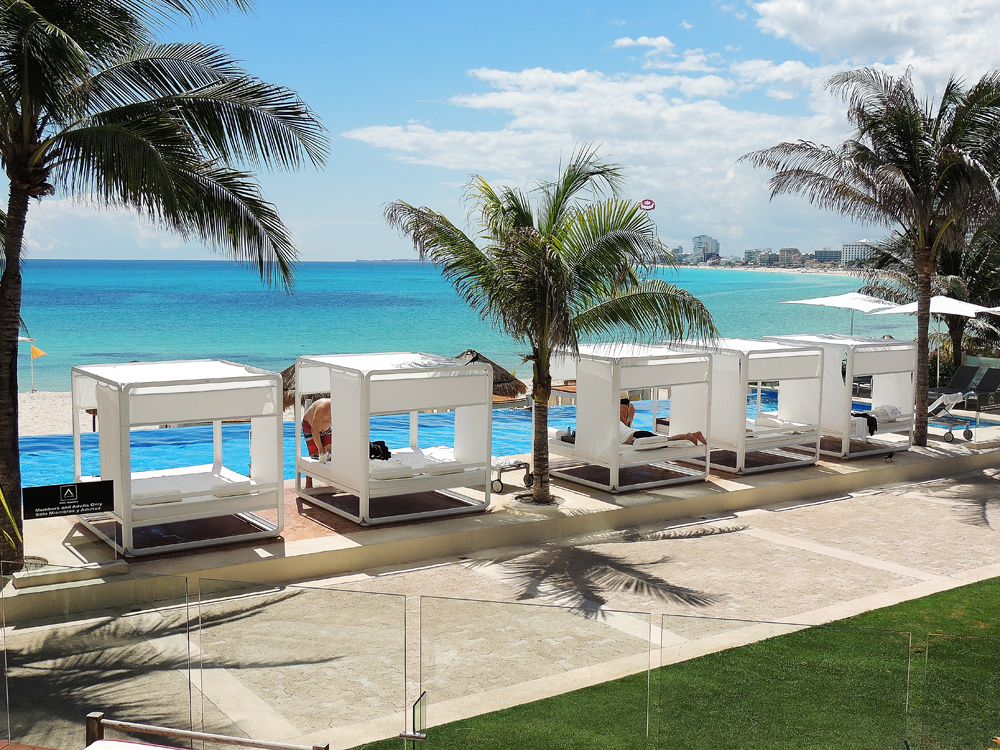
{"points": [[93, 312]]}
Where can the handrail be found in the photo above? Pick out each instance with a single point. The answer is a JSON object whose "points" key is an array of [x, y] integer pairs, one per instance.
{"points": [[96, 724]]}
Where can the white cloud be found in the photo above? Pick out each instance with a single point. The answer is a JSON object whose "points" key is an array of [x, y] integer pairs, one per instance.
{"points": [[679, 148], [936, 38], [680, 127], [660, 44], [694, 61], [617, 22], [686, 26]]}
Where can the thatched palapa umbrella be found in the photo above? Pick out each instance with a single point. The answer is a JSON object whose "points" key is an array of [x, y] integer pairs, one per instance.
{"points": [[505, 385]]}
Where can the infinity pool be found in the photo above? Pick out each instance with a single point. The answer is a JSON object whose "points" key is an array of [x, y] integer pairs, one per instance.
{"points": [[49, 459]]}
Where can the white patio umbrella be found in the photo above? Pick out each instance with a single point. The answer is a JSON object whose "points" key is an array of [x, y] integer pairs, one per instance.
{"points": [[940, 305], [850, 301]]}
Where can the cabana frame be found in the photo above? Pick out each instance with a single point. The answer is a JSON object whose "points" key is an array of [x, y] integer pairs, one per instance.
{"points": [[738, 363], [602, 373], [150, 394], [365, 385], [891, 364]]}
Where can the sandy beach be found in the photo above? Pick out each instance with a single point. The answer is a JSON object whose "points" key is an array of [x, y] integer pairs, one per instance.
{"points": [[47, 413], [51, 413]]}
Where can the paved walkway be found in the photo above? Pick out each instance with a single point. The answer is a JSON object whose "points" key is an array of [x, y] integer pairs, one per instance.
{"points": [[349, 652]]}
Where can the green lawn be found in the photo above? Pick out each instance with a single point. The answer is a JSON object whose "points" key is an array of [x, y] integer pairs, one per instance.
{"points": [[861, 683]]}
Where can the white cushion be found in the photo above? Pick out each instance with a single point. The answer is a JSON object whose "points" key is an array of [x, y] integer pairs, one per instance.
{"points": [[391, 472], [650, 443], [150, 499], [445, 467], [555, 433]]}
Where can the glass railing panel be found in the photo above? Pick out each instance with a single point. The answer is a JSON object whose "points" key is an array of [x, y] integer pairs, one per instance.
{"points": [[737, 683], [299, 664], [956, 699], [117, 644], [511, 675]]}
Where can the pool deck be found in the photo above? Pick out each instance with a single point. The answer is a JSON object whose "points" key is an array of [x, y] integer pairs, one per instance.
{"points": [[790, 548], [317, 544]]}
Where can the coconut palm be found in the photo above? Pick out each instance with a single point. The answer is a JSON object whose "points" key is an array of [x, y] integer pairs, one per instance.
{"points": [[92, 104], [907, 164], [970, 274], [552, 271]]}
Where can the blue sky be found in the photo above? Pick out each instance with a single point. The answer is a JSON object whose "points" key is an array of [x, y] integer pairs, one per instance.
{"points": [[418, 96]]}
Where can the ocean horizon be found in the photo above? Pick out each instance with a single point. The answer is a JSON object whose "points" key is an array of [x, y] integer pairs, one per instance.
{"points": [[100, 311]]}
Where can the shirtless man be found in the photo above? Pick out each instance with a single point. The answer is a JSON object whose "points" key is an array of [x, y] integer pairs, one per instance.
{"points": [[316, 421], [626, 435]]}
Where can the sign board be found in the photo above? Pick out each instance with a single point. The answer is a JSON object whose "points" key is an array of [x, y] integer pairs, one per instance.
{"points": [[75, 499]]}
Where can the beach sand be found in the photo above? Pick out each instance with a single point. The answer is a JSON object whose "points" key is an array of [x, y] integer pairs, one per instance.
{"points": [[47, 413], [50, 413]]}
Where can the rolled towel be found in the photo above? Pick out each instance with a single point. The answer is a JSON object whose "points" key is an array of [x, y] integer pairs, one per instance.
{"points": [[555, 433], [445, 467], [390, 472], [650, 443], [150, 499]]}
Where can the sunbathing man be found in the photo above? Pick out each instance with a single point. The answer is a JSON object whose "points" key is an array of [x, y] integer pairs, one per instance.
{"points": [[626, 435], [316, 420]]}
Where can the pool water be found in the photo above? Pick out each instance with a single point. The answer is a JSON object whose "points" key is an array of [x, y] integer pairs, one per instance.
{"points": [[49, 459]]}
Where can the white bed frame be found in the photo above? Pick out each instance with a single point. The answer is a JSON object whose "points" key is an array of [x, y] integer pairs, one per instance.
{"points": [[738, 363], [366, 385], [892, 366], [150, 394], [602, 372]]}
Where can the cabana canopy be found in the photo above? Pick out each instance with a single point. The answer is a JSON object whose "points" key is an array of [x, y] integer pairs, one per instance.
{"points": [[365, 385], [891, 365], [798, 373], [598, 458], [143, 394]]}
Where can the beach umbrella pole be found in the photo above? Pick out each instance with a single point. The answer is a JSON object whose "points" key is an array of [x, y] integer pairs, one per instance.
{"points": [[852, 322], [32, 374]]}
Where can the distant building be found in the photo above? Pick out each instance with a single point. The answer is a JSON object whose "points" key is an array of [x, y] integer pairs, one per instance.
{"points": [[702, 246], [854, 252], [789, 256], [826, 255], [750, 256], [767, 258]]}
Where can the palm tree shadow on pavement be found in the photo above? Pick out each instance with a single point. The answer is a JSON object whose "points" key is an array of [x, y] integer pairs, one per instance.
{"points": [[575, 574], [57, 675]]}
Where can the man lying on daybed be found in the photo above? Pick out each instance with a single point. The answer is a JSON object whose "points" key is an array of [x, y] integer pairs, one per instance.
{"points": [[626, 435]]}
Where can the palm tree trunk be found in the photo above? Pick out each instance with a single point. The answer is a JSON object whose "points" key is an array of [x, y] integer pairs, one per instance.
{"points": [[956, 330], [10, 312], [923, 268], [541, 391]]}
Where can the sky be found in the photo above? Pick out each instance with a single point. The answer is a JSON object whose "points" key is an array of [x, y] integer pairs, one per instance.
{"points": [[419, 96]]}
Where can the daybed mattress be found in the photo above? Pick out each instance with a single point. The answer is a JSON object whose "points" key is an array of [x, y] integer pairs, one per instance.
{"points": [[772, 433], [195, 491], [633, 455], [407, 470]]}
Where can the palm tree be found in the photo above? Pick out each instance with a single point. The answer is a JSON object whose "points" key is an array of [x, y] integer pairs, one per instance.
{"points": [[970, 274], [556, 270], [906, 165], [90, 102]]}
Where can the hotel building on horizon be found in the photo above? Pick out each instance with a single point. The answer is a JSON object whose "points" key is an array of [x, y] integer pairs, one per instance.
{"points": [[853, 252]]}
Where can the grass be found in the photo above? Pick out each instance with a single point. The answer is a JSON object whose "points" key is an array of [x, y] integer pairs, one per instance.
{"points": [[841, 687]]}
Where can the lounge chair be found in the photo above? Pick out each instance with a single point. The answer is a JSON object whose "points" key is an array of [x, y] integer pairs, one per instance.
{"points": [[960, 382], [986, 395]]}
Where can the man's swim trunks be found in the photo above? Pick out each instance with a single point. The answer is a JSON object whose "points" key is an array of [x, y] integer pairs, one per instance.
{"points": [[310, 443]]}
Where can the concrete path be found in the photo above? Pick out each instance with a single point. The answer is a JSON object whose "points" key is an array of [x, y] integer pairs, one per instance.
{"points": [[338, 659]]}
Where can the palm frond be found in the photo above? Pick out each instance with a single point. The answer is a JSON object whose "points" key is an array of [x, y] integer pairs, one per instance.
{"points": [[650, 309]]}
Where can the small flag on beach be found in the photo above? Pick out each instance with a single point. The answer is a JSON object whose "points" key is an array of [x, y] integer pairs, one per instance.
{"points": [[36, 352]]}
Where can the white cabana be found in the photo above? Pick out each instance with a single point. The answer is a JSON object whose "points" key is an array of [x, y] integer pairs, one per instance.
{"points": [[415, 482], [794, 375], [597, 458], [892, 367], [221, 500]]}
